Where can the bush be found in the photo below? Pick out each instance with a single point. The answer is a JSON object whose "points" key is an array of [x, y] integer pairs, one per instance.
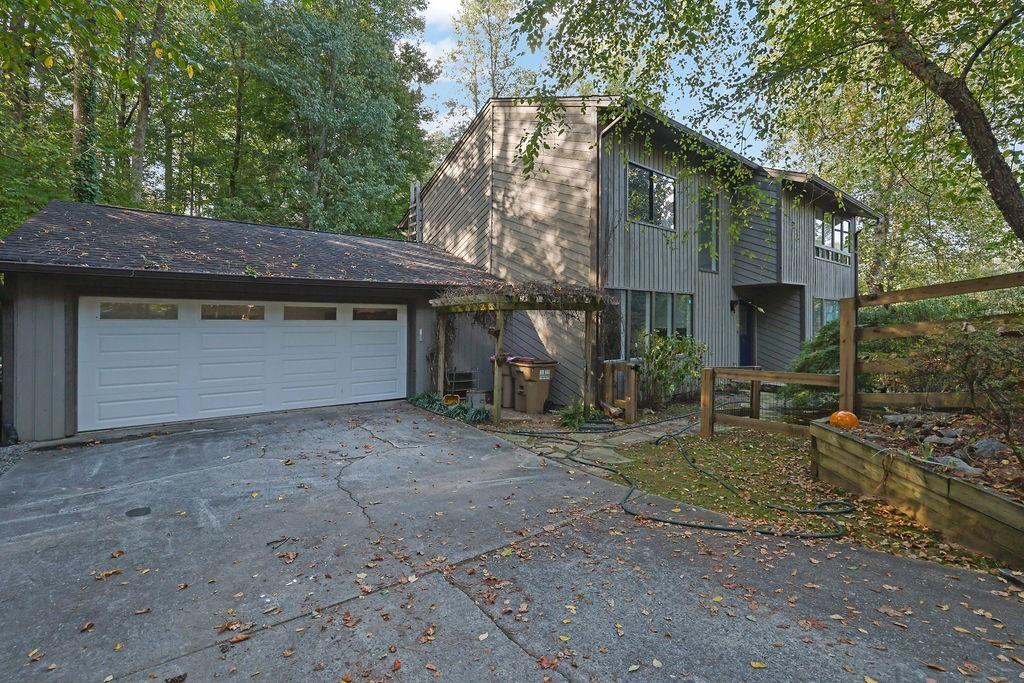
{"points": [[459, 411], [986, 364], [576, 413], [665, 365]]}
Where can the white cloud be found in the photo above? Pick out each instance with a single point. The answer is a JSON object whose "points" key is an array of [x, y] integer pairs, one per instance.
{"points": [[438, 49], [439, 13]]}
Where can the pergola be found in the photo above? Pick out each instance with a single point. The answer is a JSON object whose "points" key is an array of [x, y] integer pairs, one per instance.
{"points": [[506, 302]]}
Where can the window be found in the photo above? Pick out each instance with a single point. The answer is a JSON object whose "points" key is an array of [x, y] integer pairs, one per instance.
{"points": [[628, 315], [232, 312], [137, 310], [310, 313], [662, 322], [650, 197], [375, 314], [639, 315], [832, 237], [682, 315], [824, 312], [709, 218], [613, 324]]}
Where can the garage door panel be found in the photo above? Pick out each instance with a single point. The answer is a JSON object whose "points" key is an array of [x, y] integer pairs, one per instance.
{"points": [[112, 412], [148, 371], [241, 371], [148, 376]]}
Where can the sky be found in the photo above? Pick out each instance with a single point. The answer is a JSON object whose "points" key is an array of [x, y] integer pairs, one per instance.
{"points": [[438, 39]]}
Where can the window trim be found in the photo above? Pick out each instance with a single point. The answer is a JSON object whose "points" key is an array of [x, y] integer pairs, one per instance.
{"points": [[144, 302], [828, 251], [817, 301], [650, 198], [626, 339]]}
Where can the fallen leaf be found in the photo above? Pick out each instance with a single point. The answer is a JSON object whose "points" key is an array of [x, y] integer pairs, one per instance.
{"points": [[482, 636], [396, 665], [116, 554], [106, 574], [546, 662], [935, 667], [182, 586], [87, 626], [633, 667], [288, 557], [288, 653], [144, 610], [758, 665], [118, 646], [238, 637], [656, 663]]}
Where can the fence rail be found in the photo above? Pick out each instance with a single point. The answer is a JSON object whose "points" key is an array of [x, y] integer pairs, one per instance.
{"points": [[710, 416]]}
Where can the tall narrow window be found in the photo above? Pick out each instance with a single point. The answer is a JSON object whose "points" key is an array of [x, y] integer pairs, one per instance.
{"points": [[832, 237], [682, 315], [823, 311], [662, 321], [613, 325], [710, 219], [639, 316], [650, 197]]}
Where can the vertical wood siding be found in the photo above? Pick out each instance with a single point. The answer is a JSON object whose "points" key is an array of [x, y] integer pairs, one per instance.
{"points": [[40, 359], [822, 279], [755, 258], [543, 229], [642, 257], [779, 334]]}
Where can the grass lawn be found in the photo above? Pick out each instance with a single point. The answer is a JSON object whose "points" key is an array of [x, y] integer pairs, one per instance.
{"points": [[775, 469]]}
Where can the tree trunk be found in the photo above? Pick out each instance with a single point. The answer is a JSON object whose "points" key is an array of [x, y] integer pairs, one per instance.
{"points": [[236, 152], [168, 157], [876, 268], [84, 168], [142, 115], [967, 111]]}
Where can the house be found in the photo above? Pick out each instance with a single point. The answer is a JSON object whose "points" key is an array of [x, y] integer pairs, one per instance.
{"points": [[623, 211], [120, 317]]}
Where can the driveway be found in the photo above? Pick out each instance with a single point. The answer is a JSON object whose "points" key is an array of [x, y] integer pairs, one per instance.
{"points": [[381, 542]]}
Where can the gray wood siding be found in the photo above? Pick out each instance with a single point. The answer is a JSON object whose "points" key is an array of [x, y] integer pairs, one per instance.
{"points": [[822, 279], [457, 202], [779, 324], [40, 364], [544, 229], [756, 254], [643, 257]]}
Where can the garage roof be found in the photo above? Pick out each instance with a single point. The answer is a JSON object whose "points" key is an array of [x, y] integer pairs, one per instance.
{"points": [[74, 237]]}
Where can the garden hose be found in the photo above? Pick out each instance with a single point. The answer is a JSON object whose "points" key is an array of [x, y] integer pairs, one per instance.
{"points": [[826, 509]]}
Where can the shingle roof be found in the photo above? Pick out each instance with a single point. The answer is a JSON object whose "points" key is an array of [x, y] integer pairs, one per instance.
{"points": [[69, 236]]}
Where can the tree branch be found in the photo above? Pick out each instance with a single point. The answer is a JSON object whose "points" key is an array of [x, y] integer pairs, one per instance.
{"points": [[983, 45]]}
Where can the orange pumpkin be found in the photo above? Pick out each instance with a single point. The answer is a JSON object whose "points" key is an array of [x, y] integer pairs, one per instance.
{"points": [[844, 419]]}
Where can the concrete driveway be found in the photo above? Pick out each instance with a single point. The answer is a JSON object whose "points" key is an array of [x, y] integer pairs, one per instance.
{"points": [[380, 542]]}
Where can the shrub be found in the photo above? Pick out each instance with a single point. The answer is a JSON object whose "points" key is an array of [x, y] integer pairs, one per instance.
{"points": [[986, 364], [576, 413], [459, 411], [665, 364]]}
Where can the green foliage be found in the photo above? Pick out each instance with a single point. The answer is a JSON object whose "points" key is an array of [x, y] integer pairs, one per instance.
{"points": [[787, 70], [665, 364], [576, 413], [986, 364], [289, 112], [459, 411]]}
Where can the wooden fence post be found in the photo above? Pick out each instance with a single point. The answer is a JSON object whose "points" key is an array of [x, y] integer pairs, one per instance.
{"points": [[588, 362], [499, 363], [632, 398], [755, 399], [707, 402], [848, 354], [442, 329]]}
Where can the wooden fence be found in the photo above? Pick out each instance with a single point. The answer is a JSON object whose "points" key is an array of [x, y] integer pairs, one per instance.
{"points": [[850, 334], [709, 417], [851, 365]]}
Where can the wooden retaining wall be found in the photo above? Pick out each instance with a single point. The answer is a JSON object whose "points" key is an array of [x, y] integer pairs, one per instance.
{"points": [[971, 515]]}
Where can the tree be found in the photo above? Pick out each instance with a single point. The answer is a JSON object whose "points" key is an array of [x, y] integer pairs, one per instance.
{"points": [[488, 49], [751, 62]]}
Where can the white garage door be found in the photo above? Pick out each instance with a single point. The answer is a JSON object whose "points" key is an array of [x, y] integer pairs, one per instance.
{"points": [[147, 361]]}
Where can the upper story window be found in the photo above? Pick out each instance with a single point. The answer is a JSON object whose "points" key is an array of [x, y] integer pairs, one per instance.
{"points": [[709, 219], [650, 197], [833, 237]]}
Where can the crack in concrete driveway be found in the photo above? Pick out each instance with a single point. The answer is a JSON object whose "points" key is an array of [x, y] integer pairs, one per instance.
{"points": [[417, 548]]}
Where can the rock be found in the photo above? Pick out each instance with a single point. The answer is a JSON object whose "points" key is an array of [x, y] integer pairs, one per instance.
{"points": [[939, 440], [957, 464], [951, 433], [901, 420], [988, 448]]}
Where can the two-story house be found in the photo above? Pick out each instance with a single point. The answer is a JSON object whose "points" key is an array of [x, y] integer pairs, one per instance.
{"points": [[624, 212]]}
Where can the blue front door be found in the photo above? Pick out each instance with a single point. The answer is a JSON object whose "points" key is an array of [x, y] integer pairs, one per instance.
{"points": [[747, 328]]}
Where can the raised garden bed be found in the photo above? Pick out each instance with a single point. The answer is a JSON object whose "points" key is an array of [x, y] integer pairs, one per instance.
{"points": [[963, 511]]}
